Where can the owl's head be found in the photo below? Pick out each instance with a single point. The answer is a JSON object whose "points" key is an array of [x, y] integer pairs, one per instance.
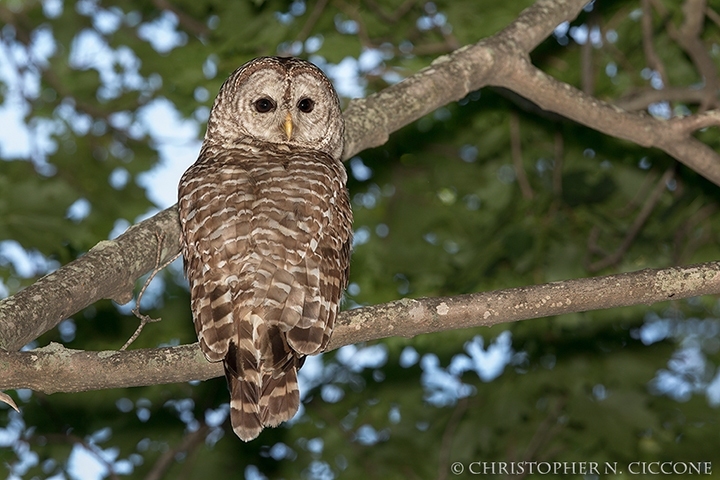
{"points": [[279, 101]]}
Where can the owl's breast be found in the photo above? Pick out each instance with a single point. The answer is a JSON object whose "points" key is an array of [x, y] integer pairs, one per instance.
{"points": [[291, 202], [271, 207]]}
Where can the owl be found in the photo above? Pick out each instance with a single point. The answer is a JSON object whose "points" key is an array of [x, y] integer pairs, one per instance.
{"points": [[266, 232]]}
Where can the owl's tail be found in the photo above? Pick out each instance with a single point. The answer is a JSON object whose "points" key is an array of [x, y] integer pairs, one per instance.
{"points": [[260, 400], [244, 412]]}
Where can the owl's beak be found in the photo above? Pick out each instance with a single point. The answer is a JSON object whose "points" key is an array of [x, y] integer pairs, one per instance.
{"points": [[288, 126]]}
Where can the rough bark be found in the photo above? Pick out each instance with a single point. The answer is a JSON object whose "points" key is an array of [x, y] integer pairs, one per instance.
{"points": [[108, 270], [64, 370]]}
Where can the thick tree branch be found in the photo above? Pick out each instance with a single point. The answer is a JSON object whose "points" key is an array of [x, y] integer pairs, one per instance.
{"points": [[671, 136], [449, 78], [108, 270], [75, 370]]}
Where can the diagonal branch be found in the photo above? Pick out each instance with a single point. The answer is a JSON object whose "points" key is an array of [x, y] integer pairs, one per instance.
{"points": [[650, 203], [66, 370], [688, 37], [190, 442], [671, 136], [451, 77], [108, 270], [651, 56]]}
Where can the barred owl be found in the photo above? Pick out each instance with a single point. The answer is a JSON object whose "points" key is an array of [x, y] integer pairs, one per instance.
{"points": [[266, 231]]}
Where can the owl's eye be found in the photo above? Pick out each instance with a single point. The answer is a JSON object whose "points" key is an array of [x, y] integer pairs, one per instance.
{"points": [[306, 105], [264, 105]]}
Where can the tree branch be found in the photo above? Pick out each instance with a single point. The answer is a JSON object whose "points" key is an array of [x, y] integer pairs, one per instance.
{"points": [[641, 99], [108, 270], [451, 77], [637, 225], [186, 21], [688, 37], [190, 442], [67, 370], [671, 136], [651, 56]]}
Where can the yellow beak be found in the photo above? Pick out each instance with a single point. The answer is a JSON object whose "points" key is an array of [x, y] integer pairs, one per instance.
{"points": [[288, 126]]}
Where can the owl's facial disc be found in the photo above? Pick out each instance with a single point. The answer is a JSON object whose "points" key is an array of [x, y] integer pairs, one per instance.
{"points": [[280, 102]]}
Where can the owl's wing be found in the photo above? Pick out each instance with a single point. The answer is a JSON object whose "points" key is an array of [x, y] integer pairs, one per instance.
{"points": [[266, 246], [310, 284], [302, 229], [214, 205]]}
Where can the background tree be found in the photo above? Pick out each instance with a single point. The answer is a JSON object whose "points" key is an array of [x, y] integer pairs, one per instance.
{"points": [[485, 192]]}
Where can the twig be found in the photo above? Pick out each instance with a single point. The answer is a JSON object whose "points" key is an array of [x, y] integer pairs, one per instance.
{"points": [[558, 164], [145, 319], [587, 68], [547, 429], [713, 15], [641, 193], [637, 225], [188, 444], [399, 13], [688, 37], [348, 434], [108, 270], [311, 20], [353, 11], [447, 437], [685, 235], [516, 154], [448, 45], [690, 124], [186, 21], [641, 99], [550, 94], [592, 243], [651, 56]]}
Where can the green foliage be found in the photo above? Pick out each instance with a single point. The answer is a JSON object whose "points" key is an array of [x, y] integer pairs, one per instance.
{"points": [[442, 213]]}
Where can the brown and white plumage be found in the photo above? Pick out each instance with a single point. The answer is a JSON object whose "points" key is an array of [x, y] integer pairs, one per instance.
{"points": [[266, 227]]}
